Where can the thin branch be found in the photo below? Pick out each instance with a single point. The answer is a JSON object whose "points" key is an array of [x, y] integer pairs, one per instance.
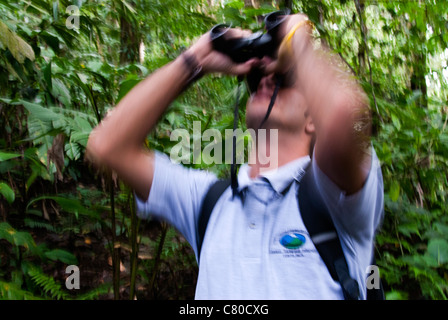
{"points": [[346, 62]]}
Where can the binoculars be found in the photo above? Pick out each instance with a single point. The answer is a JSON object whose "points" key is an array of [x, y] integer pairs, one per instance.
{"points": [[240, 50], [256, 45]]}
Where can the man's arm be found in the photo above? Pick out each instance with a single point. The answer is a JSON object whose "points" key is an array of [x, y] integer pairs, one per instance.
{"points": [[339, 110], [117, 142]]}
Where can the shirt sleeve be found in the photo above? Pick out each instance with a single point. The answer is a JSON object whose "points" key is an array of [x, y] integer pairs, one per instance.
{"points": [[176, 196], [358, 214]]}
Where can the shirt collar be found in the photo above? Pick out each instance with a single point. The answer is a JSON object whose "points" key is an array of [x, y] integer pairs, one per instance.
{"points": [[279, 178]]}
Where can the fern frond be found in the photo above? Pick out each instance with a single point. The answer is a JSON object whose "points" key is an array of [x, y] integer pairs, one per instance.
{"points": [[39, 224], [171, 244], [48, 285], [95, 293]]}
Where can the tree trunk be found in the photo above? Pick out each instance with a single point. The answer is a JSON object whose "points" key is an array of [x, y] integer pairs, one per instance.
{"points": [[418, 80], [362, 44], [129, 39], [366, 54]]}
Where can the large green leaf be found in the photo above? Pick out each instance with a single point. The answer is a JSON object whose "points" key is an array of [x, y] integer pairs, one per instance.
{"points": [[69, 205], [61, 255], [18, 238], [72, 150], [52, 41], [7, 192], [61, 92], [7, 155], [41, 113], [13, 291], [125, 87], [18, 47], [438, 249], [6, 232], [394, 191]]}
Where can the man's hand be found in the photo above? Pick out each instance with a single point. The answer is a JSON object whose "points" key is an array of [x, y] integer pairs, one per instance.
{"points": [[213, 61], [286, 56]]}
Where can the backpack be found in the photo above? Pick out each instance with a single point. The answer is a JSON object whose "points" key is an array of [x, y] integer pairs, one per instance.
{"points": [[320, 226]]}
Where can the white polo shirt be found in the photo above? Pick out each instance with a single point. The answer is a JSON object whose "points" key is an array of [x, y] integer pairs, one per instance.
{"points": [[256, 246]]}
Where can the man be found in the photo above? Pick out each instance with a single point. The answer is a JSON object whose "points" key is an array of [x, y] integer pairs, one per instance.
{"points": [[256, 245]]}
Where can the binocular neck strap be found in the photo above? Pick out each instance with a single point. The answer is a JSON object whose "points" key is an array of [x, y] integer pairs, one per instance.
{"points": [[271, 104], [234, 180]]}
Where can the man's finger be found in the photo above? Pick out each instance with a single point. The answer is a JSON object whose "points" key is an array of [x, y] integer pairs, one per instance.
{"points": [[271, 66], [238, 33], [244, 68]]}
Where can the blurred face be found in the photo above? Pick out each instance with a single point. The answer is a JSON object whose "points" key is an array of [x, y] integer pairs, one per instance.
{"points": [[288, 112]]}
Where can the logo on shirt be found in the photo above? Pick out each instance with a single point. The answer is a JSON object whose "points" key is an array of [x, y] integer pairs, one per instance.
{"points": [[293, 243], [292, 240]]}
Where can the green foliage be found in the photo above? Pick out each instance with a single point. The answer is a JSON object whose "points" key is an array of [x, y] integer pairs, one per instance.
{"points": [[48, 285], [7, 192], [13, 291], [57, 83], [61, 255], [16, 238]]}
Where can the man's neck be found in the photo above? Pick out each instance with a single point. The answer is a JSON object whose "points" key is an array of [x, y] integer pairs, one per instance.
{"points": [[277, 150]]}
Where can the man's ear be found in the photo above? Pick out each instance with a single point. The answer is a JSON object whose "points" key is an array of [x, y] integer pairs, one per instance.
{"points": [[309, 124], [310, 130]]}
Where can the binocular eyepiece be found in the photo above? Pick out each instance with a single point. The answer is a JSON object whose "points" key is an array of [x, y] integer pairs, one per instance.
{"points": [[256, 45]]}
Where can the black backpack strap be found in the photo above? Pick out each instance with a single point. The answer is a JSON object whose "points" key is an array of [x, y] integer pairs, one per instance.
{"points": [[324, 235], [212, 196]]}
